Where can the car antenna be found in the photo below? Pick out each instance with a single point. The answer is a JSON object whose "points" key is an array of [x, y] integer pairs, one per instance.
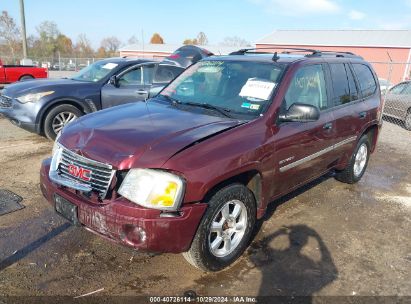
{"points": [[276, 57]]}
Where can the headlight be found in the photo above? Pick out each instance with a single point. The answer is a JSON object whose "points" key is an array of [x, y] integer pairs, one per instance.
{"points": [[33, 97], [153, 189]]}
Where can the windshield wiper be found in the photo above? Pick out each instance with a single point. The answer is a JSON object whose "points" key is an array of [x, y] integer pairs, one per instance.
{"points": [[174, 101], [222, 111]]}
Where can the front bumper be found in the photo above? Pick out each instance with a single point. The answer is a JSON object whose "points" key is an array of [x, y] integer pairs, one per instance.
{"points": [[124, 222], [22, 115]]}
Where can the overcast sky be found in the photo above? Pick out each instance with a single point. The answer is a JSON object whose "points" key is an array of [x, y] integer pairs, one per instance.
{"points": [[177, 20]]}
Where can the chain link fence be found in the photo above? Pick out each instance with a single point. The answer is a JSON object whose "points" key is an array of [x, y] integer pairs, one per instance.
{"points": [[56, 64], [395, 84]]}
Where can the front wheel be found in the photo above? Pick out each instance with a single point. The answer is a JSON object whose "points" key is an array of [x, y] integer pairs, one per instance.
{"points": [[358, 163], [59, 117], [225, 230]]}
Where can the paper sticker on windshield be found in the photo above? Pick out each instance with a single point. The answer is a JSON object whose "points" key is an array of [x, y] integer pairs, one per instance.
{"points": [[251, 106], [109, 66], [257, 88]]}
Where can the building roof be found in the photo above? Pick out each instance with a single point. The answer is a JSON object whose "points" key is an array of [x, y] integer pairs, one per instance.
{"points": [[170, 48], [364, 38]]}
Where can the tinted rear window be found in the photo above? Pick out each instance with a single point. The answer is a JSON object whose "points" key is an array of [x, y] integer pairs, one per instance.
{"points": [[366, 80]]}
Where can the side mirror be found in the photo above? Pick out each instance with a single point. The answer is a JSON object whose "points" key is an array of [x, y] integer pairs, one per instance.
{"points": [[300, 112], [114, 81]]}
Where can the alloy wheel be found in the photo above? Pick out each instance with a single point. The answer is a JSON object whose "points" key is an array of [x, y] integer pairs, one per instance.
{"points": [[227, 228]]}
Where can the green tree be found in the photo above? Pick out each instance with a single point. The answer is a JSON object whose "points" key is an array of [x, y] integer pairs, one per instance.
{"points": [[48, 34], [156, 39]]}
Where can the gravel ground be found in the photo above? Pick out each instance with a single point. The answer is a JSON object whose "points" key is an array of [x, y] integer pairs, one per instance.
{"points": [[327, 238]]}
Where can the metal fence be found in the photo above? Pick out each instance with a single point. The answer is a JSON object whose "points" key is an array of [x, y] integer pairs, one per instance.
{"points": [[56, 64], [395, 84]]}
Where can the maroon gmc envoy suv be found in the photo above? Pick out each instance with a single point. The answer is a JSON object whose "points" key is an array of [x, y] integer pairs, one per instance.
{"points": [[193, 169]]}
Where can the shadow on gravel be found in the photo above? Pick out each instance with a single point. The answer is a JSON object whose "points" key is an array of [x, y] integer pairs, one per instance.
{"points": [[293, 270], [20, 254]]}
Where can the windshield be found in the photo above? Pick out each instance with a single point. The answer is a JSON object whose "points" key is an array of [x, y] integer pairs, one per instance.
{"points": [[95, 71], [242, 88]]}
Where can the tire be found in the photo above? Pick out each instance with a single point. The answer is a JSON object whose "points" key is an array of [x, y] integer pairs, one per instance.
{"points": [[358, 163], [237, 232], [407, 121], [59, 117], [26, 77]]}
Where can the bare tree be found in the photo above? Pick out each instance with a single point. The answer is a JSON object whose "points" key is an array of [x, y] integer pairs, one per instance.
{"points": [[202, 38], [9, 32], [83, 46], [235, 41], [132, 40], [111, 45], [156, 39]]}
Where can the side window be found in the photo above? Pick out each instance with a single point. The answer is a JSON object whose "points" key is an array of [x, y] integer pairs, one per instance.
{"points": [[132, 77], [307, 87], [351, 83], [340, 83], [366, 80], [398, 88], [166, 73], [407, 90]]}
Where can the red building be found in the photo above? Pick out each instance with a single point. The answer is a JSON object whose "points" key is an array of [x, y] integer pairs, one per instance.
{"points": [[376, 46]]}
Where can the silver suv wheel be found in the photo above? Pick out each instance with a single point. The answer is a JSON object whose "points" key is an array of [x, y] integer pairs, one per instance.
{"points": [[227, 228]]}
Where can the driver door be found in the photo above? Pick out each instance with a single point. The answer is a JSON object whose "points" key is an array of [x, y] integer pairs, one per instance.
{"points": [[131, 87], [304, 150]]}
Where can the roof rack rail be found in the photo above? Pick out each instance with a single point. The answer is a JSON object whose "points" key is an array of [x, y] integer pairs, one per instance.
{"points": [[312, 52], [243, 51]]}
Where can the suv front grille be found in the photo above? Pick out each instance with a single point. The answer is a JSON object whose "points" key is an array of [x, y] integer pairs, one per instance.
{"points": [[5, 101], [99, 177]]}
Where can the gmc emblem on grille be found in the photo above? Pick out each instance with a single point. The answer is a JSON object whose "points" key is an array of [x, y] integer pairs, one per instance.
{"points": [[79, 172]]}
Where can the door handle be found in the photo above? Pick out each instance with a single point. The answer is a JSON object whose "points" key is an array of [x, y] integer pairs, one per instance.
{"points": [[362, 115], [328, 126], [142, 92]]}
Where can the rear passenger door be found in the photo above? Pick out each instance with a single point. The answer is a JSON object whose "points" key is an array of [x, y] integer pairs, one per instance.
{"points": [[349, 109]]}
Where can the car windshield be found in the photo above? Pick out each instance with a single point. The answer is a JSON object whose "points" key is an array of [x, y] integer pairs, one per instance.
{"points": [[241, 89], [95, 71]]}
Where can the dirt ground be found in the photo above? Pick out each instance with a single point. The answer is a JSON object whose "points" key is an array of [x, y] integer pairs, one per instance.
{"points": [[328, 238]]}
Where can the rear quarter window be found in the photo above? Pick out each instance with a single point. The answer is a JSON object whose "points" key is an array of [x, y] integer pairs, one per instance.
{"points": [[366, 79]]}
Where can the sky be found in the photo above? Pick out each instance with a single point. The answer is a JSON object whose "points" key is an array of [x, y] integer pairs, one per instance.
{"points": [[177, 20]]}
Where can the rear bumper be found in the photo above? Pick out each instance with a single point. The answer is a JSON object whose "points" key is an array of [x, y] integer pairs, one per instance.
{"points": [[129, 224]]}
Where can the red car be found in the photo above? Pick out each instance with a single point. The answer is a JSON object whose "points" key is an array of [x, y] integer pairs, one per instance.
{"points": [[194, 168], [13, 73]]}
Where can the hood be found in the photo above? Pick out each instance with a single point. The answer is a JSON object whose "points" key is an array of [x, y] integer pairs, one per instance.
{"points": [[140, 134], [39, 85]]}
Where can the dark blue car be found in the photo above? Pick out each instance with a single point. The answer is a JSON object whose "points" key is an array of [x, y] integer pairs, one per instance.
{"points": [[46, 106]]}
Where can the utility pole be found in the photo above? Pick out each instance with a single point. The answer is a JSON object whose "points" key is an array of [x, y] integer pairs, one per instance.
{"points": [[23, 28]]}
